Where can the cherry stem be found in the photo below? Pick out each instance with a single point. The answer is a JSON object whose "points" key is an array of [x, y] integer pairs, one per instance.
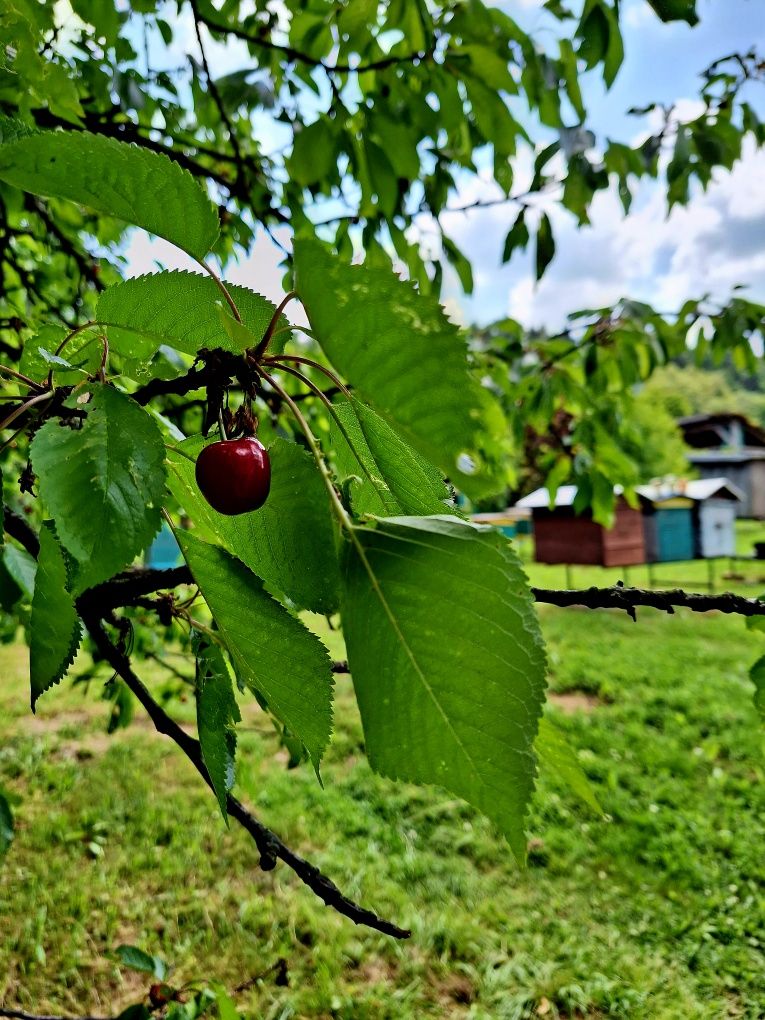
{"points": [[222, 288], [342, 514], [262, 347], [221, 426], [335, 417], [300, 360], [104, 358], [74, 332], [340, 511]]}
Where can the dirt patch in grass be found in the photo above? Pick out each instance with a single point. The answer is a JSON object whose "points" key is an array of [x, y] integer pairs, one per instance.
{"points": [[575, 701]]}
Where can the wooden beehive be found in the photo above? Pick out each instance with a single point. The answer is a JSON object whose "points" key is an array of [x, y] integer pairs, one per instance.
{"points": [[563, 536]]}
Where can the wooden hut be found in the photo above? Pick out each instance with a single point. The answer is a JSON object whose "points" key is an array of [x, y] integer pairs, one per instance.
{"points": [[690, 520], [730, 445], [563, 536]]}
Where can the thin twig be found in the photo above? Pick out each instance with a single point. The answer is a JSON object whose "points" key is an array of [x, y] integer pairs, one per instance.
{"points": [[270, 846]]}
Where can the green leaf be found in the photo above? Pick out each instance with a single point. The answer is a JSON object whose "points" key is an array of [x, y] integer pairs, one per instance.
{"points": [[55, 627], [273, 653], [557, 756], [6, 823], [137, 959], [676, 10], [757, 676], [517, 236], [404, 357], [181, 310], [545, 246], [447, 660], [103, 483], [393, 478], [290, 542], [126, 181], [460, 262], [22, 568], [314, 154], [81, 356], [217, 713]]}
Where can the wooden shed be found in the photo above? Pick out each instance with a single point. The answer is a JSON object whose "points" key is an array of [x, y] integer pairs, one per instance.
{"points": [[730, 445], [710, 528], [668, 525], [563, 536]]}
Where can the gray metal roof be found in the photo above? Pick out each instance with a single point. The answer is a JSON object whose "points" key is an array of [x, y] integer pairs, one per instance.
{"points": [[697, 489]]}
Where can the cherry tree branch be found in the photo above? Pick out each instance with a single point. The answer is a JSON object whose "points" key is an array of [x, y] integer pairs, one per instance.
{"points": [[619, 597], [270, 846]]}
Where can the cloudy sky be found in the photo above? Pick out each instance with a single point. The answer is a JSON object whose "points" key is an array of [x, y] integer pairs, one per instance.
{"points": [[715, 242]]}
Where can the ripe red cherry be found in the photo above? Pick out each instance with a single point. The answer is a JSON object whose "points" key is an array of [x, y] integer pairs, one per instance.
{"points": [[234, 475]]}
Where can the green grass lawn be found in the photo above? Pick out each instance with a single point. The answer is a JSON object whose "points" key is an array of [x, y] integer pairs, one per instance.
{"points": [[655, 911]]}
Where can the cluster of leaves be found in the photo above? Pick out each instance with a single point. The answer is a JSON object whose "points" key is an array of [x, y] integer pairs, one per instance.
{"points": [[570, 397], [443, 643], [355, 121]]}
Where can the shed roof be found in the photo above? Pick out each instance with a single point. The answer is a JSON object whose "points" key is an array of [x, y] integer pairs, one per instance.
{"points": [[724, 429], [697, 489]]}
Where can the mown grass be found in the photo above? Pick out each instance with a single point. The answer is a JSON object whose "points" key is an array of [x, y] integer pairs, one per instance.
{"points": [[654, 912]]}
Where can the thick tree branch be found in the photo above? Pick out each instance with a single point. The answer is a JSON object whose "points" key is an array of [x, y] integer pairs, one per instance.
{"points": [[271, 848], [618, 597]]}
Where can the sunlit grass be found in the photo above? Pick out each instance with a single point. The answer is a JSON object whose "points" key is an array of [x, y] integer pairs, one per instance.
{"points": [[654, 912]]}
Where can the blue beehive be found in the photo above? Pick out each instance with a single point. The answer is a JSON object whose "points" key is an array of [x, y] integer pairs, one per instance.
{"points": [[668, 524], [164, 551]]}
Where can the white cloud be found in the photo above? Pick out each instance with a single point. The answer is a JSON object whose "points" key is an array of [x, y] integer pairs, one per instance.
{"points": [[709, 246]]}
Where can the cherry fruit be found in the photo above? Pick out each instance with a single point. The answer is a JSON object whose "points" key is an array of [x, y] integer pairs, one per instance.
{"points": [[234, 475]]}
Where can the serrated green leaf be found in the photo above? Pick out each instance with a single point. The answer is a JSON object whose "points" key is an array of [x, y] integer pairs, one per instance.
{"points": [[217, 713], [272, 651], [181, 310], [393, 478], [557, 756], [103, 483], [142, 188], [82, 355], [290, 542], [55, 627], [403, 356], [447, 660]]}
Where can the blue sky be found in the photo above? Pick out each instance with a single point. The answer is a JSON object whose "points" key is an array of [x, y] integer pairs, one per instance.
{"points": [[718, 241]]}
